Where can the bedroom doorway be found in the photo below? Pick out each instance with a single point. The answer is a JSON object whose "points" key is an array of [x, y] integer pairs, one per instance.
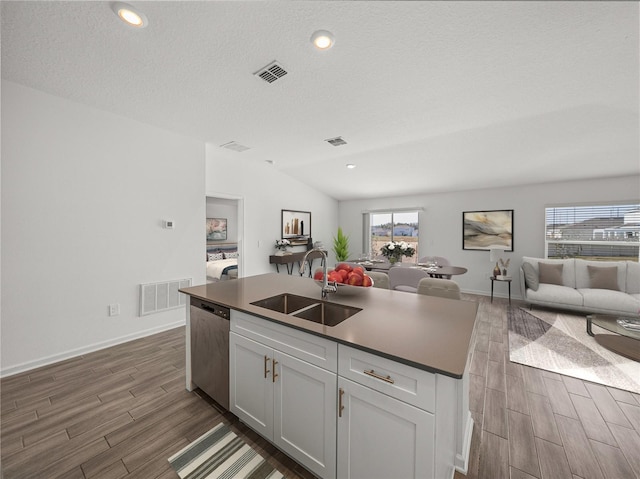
{"points": [[225, 231]]}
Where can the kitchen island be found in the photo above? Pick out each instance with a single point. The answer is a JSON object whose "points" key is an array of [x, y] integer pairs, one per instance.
{"points": [[403, 347]]}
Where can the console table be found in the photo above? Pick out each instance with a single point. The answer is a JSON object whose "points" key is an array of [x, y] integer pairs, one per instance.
{"points": [[290, 259]]}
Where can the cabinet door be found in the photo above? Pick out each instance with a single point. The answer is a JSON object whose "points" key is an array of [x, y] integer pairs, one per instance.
{"points": [[305, 414], [382, 437], [251, 387]]}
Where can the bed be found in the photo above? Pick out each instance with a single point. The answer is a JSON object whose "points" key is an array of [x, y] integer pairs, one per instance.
{"points": [[221, 259]]}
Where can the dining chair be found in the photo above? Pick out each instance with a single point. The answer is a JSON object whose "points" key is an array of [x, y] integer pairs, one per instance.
{"points": [[444, 288], [405, 279], [380, 280], [442, 261]]}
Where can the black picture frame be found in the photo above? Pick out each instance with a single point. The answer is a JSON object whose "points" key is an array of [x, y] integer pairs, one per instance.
{"points": [[486, 228], [295, 225]]}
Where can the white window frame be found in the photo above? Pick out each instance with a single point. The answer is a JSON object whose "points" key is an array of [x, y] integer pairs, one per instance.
{"points": [[366, 225]]}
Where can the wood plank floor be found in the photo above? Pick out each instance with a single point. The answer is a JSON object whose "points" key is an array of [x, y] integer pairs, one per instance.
{"points": [[120, 412]]}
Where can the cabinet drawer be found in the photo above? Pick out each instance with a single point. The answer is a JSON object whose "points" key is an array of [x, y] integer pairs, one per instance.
{"points": [[411, 385], [308, 347]]}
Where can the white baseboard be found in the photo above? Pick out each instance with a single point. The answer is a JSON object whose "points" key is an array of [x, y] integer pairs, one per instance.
{"points": [[496, 294], [29, 365]]}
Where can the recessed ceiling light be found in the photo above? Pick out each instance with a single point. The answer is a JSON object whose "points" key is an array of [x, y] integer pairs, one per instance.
{"points": [[322, 40], [130, 15], [351, 166]]}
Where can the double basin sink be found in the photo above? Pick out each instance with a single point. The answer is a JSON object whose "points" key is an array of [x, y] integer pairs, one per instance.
{"points": [[318, 311]]}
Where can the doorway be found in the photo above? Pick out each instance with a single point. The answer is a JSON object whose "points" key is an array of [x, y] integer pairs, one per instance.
{"points": [[227, 213]]}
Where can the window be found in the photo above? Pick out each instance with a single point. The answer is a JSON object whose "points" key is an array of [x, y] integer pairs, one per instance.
{"points": [[385, 226], [597, 232]]}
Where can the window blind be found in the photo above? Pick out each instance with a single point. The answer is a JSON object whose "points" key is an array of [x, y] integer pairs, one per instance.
{"points": [[597, 232]]}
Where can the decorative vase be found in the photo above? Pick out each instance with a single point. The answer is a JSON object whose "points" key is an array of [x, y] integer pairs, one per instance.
{"points": [[496, 271], [393, 259]]}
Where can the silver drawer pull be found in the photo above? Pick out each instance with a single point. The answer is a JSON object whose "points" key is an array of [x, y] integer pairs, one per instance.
{"points": [[386, 379]]}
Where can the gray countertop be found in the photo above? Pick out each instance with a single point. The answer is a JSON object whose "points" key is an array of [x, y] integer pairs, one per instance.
{"points": [[426, 332]]}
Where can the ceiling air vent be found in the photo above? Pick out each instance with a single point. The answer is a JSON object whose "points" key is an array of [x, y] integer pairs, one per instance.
{"points": [[232, 145], [271, 72], [337, 141]]}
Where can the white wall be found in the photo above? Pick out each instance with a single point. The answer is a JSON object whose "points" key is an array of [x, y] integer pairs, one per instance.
{"points": [[266, 192], [441, 221], [84, 194]]}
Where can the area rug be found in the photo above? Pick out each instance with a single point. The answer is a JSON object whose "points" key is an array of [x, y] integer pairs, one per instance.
{"points": [[220, 453], [559, 342]]}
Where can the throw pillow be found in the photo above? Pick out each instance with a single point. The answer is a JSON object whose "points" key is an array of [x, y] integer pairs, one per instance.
{"points": [[530, 276], [603, 277], [550, 273], [231, 255], [214, 256]]}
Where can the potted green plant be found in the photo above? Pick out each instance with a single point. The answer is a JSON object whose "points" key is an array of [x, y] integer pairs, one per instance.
{"points": [[341, 245]]}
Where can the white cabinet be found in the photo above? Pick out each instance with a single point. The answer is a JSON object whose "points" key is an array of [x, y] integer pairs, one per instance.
{"points": [[305, 414], [375, 418], [382, 437], [250, 383], [394, 420], [287, 400]]}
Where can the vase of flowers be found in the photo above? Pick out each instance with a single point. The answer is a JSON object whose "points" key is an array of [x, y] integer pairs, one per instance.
{"points": [[395, 250], [504, 265], [281, 246]]}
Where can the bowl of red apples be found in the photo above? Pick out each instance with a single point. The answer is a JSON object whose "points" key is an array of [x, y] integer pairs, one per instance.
{"points": [[348, 279]]}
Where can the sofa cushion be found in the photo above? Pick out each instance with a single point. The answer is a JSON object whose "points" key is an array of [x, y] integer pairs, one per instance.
{"points": [[616, 301], [553, 294], [633, 277], [603, 277], [550, 273], [568, 268], [530, 276], [583, 278]]}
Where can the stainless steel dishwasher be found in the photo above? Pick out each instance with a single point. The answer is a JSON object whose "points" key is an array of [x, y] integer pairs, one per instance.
{"points": [[210, 349]]}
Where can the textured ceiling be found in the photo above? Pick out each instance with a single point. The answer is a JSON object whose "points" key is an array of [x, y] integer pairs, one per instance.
{"points": [[430, 96]]}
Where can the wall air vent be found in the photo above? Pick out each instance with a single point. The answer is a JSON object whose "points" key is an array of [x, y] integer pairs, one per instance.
{"points": [[232, 145], [272, 72], [157, 297], [337, 141]]}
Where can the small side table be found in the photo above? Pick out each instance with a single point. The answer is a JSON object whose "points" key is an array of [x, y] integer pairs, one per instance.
{"points": [[504, 280]]}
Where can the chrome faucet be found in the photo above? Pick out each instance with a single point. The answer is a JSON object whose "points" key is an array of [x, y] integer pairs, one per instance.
{"points": [[326, 287]]}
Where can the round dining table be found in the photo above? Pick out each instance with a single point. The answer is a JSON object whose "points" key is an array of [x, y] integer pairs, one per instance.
{"points": [[438, 271], [442, 271]]}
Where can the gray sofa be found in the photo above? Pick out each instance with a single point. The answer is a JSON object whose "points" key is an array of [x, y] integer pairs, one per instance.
{"points": [[581, 285]]}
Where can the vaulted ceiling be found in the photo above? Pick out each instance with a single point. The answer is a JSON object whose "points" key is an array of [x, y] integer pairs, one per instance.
{"points": [[429, 96]]}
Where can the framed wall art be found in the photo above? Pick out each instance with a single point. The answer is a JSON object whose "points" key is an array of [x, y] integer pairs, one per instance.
{"points": [[216, 229], [296, 224], [484, 229]]}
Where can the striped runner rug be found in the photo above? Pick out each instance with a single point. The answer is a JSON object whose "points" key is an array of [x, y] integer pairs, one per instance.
{"points": [[220, 453]]}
